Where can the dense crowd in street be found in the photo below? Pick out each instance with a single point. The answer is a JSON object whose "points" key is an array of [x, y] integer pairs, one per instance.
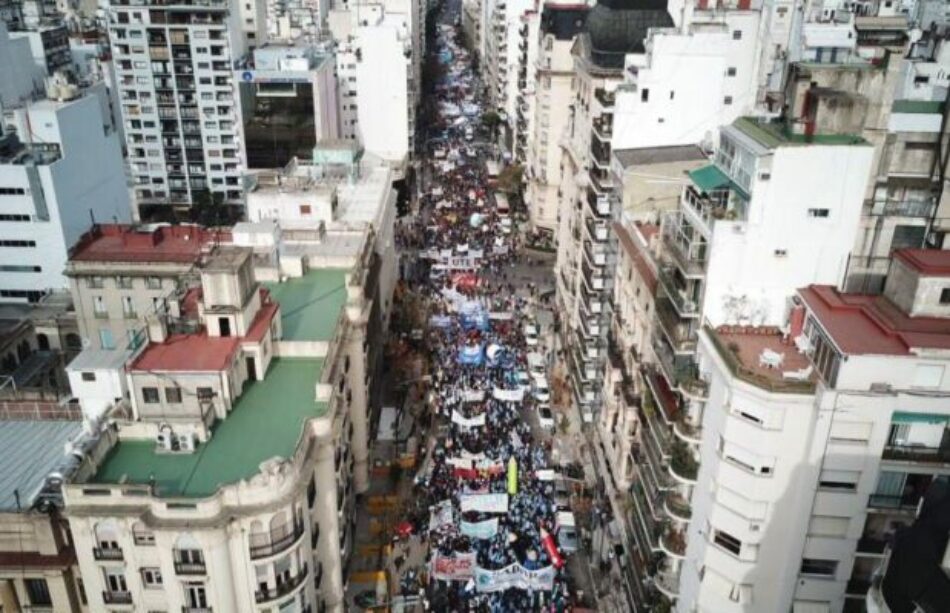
{"points": [[484, 499]]}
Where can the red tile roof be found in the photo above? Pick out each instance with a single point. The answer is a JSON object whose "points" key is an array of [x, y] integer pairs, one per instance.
{"points": [[861, 324], [263, 318], [639, 257], [188, 352], [125, 243], [929, 262]]}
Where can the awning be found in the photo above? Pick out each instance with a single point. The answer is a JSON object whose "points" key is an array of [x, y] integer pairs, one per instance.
{"points": [[709, 178], [903, 417]]}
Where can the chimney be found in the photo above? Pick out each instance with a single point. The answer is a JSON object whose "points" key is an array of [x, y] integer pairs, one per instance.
{"points": [[157, 332]]}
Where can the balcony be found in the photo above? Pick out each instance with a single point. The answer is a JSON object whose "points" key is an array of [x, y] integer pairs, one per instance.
{"points": [[678, 332], [678, 293], [107, 554], [907, 503], [919, 454], [269, 594], [605, 98], [112, 597], [599, 204], [601, 182], [647, 528], [675, 368], [190, 568], [667, 581], [280, 539], [603, 127], [683, 465], [673, 542], [871, 546], [678, 507], [920, 208], [686, 247], [740, 348]]}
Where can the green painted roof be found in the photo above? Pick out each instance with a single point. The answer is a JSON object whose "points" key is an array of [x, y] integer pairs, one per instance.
{"points": [[925, 107], [266, 422], [709, 178], [310, 305], [772, 134]]}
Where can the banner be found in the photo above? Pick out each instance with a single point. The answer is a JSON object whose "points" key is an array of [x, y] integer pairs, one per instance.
{"points": [[480, 529], [501, 315], [471, 355], [514, 576], [512, 476], [486, 503], [440, 321], [472, 395], [468, 422], [458, 567], [508, 395], [441, 515]]}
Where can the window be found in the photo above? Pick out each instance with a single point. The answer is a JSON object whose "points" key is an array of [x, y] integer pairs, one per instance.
{"points": [[12, 243], [128, 309], [173, 395], [12, 191], [821, 568], [205, 393], [98, 306], [14, 217], [150, 395], [727, 542], [822, 213], [826, 525], [645, 95], [737, 35], [727, 100], [153, 282], [115, 580], [839, 480], [945, 295], [88, 376], [731, 71], [38, 592], [151, 577], [311, 492], [305, 209], [19, 268]]}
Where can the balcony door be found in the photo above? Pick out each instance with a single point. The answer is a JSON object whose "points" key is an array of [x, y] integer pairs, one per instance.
{"points": [[195, 596]]}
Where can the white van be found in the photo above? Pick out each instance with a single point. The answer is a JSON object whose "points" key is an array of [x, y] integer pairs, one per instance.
{"points": [[566, 531], [536, 365]]}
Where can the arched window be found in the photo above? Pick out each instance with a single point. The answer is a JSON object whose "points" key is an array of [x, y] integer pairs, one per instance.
{"points": [[42, 341]]}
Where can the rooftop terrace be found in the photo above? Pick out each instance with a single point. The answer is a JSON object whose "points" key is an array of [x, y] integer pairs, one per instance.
{"points": [[310, 305], [773, 134], [266, 422], [741, 347], [150, 243]]}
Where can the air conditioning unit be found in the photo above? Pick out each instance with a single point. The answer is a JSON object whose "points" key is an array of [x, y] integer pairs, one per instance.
{"points": [[164, 440], [187, 442]]}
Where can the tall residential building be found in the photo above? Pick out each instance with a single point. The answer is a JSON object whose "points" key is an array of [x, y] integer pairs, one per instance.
{"points": [[60, 165], [500, 58], [174, 67], [228, 481], [528, 32], [553, 96]]}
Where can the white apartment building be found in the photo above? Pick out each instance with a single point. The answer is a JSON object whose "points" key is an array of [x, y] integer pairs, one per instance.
{"points": [[809, 475], [553, 95], [229, 479], [174, 71], [60, 165], [527, 85], [378, 84], [288, 103], [500, 59]]}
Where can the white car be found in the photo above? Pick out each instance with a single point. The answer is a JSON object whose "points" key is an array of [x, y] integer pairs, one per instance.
{"points": [[506, 225], [566, 532], [523, 379], [531, 335], [536, 365], [542, 393], [545, 417]]}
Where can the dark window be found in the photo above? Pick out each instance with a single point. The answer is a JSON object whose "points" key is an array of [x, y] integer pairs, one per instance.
{"points": [[945, 295], [731, 71], [38, 592], [727, 100], [205, 393], [727, 541], [645, 95], [150, 395], [173, 395], [89, 376], [311, 493], [737, 35], [818, 212], [825, 568], [843, 486]]}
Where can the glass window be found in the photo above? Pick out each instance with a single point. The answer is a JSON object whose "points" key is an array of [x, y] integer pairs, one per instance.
{"points": [[150, 395], [151, 577], [727, 542], [822, 568], [173, 395], [38, 592]]}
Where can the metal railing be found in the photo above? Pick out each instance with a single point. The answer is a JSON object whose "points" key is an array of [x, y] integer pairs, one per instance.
{"points": [[272, 593], [107, 553], [277, 541], [917, 453]]}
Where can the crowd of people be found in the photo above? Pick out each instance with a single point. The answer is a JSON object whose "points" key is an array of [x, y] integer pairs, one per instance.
{"points": [[484, 498]]}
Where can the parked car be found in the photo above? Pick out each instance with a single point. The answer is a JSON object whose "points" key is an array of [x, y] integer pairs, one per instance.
{"points": [[562, 495], [536, 365], [566, 531], [531, 335], [542, 393], [546, 417]]}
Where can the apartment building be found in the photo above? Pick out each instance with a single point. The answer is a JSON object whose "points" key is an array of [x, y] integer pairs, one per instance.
{"points": [[527, 86], [121, 274], [229, 479], [38, 569], [60, 165], [553, 96], [500, 58], [174, 73]]}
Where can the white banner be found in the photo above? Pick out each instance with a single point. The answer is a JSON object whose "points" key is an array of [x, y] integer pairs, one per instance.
{"points": [[468, 422], [472, 395], [458, 567], [480, 529], [462, 263], [501, 315], [441, 515], [508, 395], [486, 503], [514, 576]]}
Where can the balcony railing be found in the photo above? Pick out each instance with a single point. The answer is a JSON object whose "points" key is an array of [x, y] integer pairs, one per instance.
{"points": [[916, 453], [278, 541], [871, 545], [678, 506], [115, 597], [190, 568], [682, 462], [688, 253], [684, 305], [903, 208], [107, 553], [605, 98], [272, 593], [678, 332], [907, 502]]}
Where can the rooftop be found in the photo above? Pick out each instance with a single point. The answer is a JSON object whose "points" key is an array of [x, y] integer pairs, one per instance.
{"points": [[146, 243], [29, 451], [741, 347], [863, 324], [188, 352], [928, 262], [773, 134], [310, 305], [266, 422], [659, 155]]}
